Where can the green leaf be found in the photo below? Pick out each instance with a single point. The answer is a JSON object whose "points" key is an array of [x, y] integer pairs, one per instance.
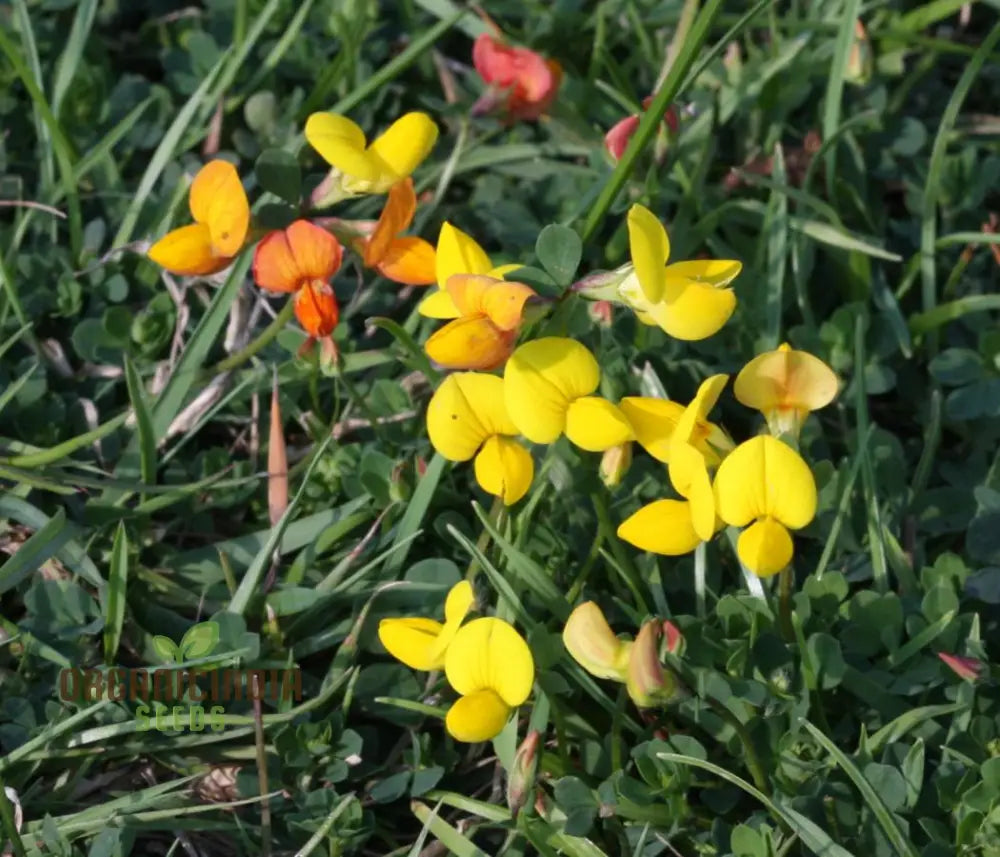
{"points": [[199, 641], [278, 171], [578, 801], [166, 649], [827, 660], [559, 249], [114, 614]]}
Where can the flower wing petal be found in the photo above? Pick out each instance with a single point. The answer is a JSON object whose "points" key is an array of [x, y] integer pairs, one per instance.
{"points": [[397, 213], [662, 527], [595, 424], [405, 143], [477, 717], [411, 641], [341, 143], [489, 653], [453, 426], [187, 251], [409, 261], [458, 253], [649, 247], [765, 547], [504, 468], [470, 343]]}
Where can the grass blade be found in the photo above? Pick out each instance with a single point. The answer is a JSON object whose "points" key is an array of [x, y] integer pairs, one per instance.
{"points": [[114, 614], [875, 803], [414, 514], [143, 424], [835, 85]]}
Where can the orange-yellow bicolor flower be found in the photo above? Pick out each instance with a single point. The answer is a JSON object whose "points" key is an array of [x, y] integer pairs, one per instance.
{"points": [[421, 643], [636, 664], [688, 300], [467, 417], [221, 215], [785, 385], [490, 665], [301, 259], [361, 168], [489, 314], [524, 82], [675, 527], [765, 483], [403, 259], [457, 253], [549, 385]]}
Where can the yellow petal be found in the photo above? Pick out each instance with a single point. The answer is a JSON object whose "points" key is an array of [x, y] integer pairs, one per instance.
{"points": [[565, 363], [696, 412], [504, 302], [438, 304], [690, 477], [504, 468], [453, 426], [764, 477], [593, 645], [479, 716], [218, 200], [649, 247], [653, 421], [458, 253], [341, 143], [486, 654], [456, 606], [412, 641], [765, 547], [786, 378], [692, 311], [188, 251], [405, 144], [594, 424], [663, 527], [470, 343], [717, 272]]}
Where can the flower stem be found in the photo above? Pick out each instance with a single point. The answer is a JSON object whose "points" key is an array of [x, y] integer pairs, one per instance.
{"points": [[786, 583], [752, 759], [251, 348], [496, 521]]}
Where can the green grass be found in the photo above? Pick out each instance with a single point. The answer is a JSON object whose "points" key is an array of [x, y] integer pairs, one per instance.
{"points": [[821, 722]]}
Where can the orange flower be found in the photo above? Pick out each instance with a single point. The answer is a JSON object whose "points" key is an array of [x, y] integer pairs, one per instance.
{"points": [[520, 80], [617, 139], [221, 215], [485, 327], [301, 259], [406, 260]]}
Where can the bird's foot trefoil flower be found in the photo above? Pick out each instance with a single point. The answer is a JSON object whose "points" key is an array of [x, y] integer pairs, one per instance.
{"points": [[766, 484], [549, 385], [421, 643], [359, 167], [403, 259], [522, 83], [488, 316], [221, 213], [490, 665], [785, 385], [467, 417], [301, 259]]}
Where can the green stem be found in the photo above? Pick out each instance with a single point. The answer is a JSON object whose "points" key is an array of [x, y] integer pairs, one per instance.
{"points": [[631, 573], [752, 759], [651, 119], [786, 584], [252, 348], [495, 519]]}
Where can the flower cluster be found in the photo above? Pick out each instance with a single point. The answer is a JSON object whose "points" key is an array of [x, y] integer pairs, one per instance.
{"points": [[486, 661], [301, 259]]}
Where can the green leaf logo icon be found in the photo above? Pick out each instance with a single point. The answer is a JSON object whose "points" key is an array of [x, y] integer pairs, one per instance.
{"points": [[199, 641], [165, 648]]}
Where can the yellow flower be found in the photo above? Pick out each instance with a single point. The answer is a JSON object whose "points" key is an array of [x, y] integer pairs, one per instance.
{"points": [[221, 215], [593, 645], [421, 643], [467, 417], [785, 385], [490, 665], [548, 385], [636, 664], [654, 421], [489, 317], [360, 168], [688, 300], [457, 253], [677, 527], [766, 482]]}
